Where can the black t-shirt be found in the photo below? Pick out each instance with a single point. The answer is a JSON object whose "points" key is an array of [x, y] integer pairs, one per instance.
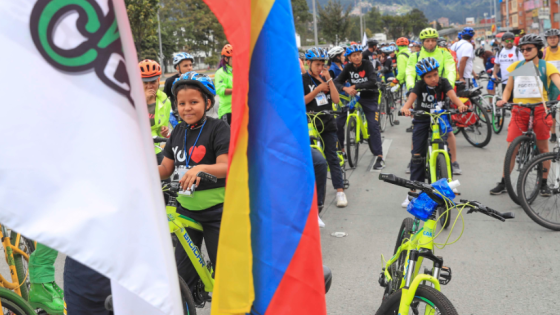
{"points": [[428, 98], [167, 88], [213, 142], [387, 65], [327, 121], [363, 77]]}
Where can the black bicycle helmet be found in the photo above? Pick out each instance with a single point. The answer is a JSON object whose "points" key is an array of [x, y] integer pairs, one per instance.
{"points": [[532, 39], [442, 42], [551, 32], [372, 42], [508, 35], [479, 52]]}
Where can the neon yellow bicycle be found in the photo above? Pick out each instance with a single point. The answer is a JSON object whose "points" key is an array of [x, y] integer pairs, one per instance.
{"points": [[356, 128], [406, 289]]}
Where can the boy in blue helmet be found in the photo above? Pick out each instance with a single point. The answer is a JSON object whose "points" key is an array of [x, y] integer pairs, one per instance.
{"points": [[428, 92]]}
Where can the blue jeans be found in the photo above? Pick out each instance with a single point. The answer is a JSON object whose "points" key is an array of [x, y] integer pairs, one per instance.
{"points": [[371, 111], [330, 141], [320, 168]]}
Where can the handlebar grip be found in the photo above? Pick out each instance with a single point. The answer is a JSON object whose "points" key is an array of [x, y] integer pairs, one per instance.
{"points": [[395, 180], [160, 140], [207, 177], [508, 215]]}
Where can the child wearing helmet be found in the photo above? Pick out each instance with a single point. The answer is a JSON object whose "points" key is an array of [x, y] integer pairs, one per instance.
{"points": [[182, 62], [387, 62], [224, 83], [159, 104], [429, 92], [361, 75], [199, 143], [320, 94]]}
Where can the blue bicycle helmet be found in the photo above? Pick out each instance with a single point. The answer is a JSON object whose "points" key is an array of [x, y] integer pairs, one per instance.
{"points": [[387, 49], [180, 57], [426, 65], [352, 49], [202, 81], [468, 31], [316, 53]]}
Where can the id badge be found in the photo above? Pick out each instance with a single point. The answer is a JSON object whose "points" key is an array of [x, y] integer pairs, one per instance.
{"points": [[321, 99]]}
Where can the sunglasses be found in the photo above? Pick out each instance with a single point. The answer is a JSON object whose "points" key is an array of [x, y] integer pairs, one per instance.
{"points": [[509, 41], [528, 49]]}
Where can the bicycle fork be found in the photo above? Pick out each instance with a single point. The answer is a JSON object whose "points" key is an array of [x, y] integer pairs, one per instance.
{"points": [[410, 287]]}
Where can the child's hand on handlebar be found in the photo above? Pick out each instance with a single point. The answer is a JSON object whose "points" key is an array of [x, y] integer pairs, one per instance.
{"points": [[501, 103], [190, 178], [405, 111], [351, 90], [462, 108]]}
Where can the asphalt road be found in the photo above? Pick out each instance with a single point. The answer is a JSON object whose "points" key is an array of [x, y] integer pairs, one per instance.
{"points": [[498, 267]]}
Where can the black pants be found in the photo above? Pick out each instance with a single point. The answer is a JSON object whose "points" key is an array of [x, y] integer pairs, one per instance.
{"points": [[371, 111], [85, 290], [211, 220], [321, 169], [227, 118], [504, 88], [340, 122], [330, 141]]}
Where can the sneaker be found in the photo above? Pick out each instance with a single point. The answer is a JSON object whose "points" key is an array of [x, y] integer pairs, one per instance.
{"points": [[545, 191], [409, 129], [44, 296], [553, 137], [341, 201], [379, 164], [456, 168], [321, 223], [408, 168], [500, 189], [405, 203]]}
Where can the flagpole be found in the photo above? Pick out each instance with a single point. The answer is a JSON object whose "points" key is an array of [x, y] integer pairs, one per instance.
{"points": [[315, 23]]}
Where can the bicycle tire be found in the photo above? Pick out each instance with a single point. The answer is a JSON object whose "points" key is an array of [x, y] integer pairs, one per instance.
{"points": [[189, 307], [352, 146], [485, 121], [423, 293], [405, 232], [383, 114], [498, 116], [441, 172], [391, 108], [20, 263], [11, 307], [527, 204], [525, 143], [11, 298]]}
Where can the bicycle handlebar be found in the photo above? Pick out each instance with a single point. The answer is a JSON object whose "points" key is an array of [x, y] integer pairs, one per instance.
{"points": [[474, 206], [159, 140], [173, 188], [451, 111], [326, 111], [529, 105]]}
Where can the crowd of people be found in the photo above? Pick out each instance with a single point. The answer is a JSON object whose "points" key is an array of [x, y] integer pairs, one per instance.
{"points": [[428, 69]]}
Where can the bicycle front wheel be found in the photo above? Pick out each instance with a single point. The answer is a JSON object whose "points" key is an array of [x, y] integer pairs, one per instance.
{"points": [[352, 144], [189, 308], [497, 113], [479, 133], [526, 150], [383, 113], [541, 208], [427, 300]]}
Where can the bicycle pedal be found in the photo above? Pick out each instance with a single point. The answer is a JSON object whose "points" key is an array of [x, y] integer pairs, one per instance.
{"points": [[382, 280], [445, 275]]}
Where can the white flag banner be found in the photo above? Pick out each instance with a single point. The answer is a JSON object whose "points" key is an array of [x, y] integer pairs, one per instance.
{"points": [[364, 40], [77, 166]]}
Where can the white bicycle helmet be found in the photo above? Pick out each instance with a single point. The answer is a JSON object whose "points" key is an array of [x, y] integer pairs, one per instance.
{"points": [[335, 51]]}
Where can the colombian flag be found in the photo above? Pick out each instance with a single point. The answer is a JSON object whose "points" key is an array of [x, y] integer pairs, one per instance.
{"points": [[269, 258]]}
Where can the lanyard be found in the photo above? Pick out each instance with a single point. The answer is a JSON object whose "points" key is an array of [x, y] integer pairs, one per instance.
{"points": [[194, 145], [312, 79]]}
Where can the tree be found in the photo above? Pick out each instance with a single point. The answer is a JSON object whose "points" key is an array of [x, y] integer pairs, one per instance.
{"points": [[418, 20], [302, 17], [396, 26], [333, 21], [438, 26], [142, 15], [373, 20]]}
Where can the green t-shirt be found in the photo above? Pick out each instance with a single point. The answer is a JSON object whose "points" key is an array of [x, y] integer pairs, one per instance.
{"points": [[223, 80]]}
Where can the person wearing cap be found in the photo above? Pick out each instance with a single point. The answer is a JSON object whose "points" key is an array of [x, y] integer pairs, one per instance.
{"points": [[159, 104], [552, 55]]}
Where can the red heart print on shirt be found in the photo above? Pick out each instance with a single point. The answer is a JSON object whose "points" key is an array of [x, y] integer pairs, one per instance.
{"points": [[510, 55], [198, 153], [362, 73]]}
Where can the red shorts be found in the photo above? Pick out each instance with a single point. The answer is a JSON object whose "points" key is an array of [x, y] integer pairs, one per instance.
{"points": [[520, 122]]}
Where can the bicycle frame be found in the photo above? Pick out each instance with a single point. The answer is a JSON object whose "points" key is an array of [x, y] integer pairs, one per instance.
{"points": [[360, 116], [316, 144], [178, 224], [422, 239], [434, 149], [9, 254]]}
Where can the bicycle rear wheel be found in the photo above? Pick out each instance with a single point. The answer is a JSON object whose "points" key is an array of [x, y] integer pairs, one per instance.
{"points": [[441, 172], [498, 115], [479, 133], [189, 308], [527, 149], [352, 145], [543, 210], [383, 113], [22, 265], [14, 304], [427, 300]]}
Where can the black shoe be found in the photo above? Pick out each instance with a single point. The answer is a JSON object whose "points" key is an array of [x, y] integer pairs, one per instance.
{"points": [[344, 155], [553, 137], [409, 129], [500, 189], [545, 191], [379, 164]]}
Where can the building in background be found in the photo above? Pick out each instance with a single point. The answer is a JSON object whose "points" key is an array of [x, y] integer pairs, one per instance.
{"points": [[470, 21], [533, 16], [443, 21]]}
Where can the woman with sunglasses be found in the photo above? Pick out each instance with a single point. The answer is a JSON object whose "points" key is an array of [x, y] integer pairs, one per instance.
{"points": [[528, 89]]}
